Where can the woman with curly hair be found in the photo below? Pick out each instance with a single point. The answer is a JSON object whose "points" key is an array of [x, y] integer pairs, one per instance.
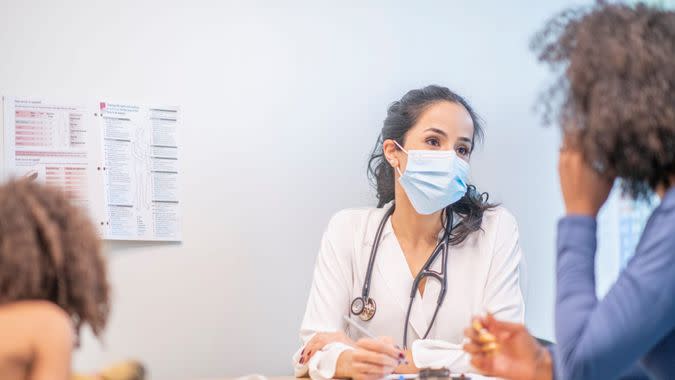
{"points": [[616, 108], [52, 281]]}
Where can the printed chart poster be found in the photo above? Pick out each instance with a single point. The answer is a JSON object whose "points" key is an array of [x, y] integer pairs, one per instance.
{"points": [[119, 161], [141, 166], [55, 143]]}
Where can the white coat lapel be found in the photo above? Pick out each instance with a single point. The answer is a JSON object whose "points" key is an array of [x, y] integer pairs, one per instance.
{"points": [[433, 286], [393, 268], [432, 289]]}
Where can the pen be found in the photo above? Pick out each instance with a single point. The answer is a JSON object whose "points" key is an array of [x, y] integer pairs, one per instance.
{"points": [[360, 328], [367, 333]]}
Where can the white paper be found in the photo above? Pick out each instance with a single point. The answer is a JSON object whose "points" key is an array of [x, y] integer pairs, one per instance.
{"points": [[56, 143], [141, 171], [118, 160]]}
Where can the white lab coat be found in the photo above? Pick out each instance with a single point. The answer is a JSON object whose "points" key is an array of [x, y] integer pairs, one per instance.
{"points": [[483, 275]]}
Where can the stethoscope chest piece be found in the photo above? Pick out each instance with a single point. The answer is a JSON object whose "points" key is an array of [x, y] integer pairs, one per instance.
{"points": [[365, 310]]}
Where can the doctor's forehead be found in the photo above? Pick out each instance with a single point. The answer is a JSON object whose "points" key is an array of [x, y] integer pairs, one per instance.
{"points": [[451, 118]]}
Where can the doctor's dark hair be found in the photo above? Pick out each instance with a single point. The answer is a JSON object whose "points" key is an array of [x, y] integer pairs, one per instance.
{"points": [[401, 117], [50, 251]]}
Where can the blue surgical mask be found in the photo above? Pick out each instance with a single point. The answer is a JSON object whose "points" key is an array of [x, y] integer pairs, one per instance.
{"points": [[433, 179]]}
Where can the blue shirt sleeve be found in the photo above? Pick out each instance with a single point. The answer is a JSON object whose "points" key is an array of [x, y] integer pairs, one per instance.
{"points": [[603, 339], [633, 373]]}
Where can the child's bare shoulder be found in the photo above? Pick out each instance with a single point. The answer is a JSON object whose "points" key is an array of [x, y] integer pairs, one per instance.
{"points": [[36, 323], [34, 334]]}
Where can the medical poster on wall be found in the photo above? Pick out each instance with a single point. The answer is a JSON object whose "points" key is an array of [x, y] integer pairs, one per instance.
{"points": [[119, 161]]}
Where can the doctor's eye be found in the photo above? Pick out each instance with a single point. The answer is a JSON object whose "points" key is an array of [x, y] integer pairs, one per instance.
{"points": [[433, 141], [462, 151]]}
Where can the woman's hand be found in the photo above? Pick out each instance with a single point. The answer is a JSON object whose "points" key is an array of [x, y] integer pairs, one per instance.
{"points": [[408, 365], [320, 340], [518, 356], [371, 359], [584, 190]]}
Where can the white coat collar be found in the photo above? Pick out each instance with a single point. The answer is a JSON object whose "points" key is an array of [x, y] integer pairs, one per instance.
{"points": [[388, 229]]}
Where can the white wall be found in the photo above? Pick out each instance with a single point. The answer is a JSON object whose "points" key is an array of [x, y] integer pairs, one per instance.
{"points": [[281, 107]]}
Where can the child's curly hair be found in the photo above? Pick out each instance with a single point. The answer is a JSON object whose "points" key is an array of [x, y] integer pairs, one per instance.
{"points": [[618, 88], [50, 250]]}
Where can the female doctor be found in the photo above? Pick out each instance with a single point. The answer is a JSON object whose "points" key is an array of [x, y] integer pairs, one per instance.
{"points": [[416, 268]]}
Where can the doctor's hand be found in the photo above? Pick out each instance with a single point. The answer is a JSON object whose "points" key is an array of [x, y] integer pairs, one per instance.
{"points": [[518, 355], [584, 189], [320, 340], [370, 360]]}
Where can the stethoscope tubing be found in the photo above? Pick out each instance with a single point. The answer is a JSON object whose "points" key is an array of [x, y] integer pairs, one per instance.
{"points": [[441, 247]]}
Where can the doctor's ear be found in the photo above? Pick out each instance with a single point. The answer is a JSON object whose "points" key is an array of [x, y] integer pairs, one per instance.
{"points": [[389, 150]]}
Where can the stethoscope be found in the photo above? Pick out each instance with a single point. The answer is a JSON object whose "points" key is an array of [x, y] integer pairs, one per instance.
{"points": [[365, 307]]}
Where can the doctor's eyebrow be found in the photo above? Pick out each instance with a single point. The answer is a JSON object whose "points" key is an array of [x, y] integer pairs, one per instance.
{"points": [[466, 140], [442, 133], [439, 131]]}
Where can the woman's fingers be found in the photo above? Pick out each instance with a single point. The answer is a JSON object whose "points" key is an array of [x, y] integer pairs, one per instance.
{"points": [[319, 341], [482, 336], [473, 348], [304, 354], [387, 340], [374, 358], [315, 344], [371, 363], [472, 334], [482, 363], [381, 346], [503, 330]]}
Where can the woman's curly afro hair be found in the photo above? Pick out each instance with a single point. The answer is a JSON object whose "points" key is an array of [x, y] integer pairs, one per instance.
{"points": [[50, 250], [616, 91]]}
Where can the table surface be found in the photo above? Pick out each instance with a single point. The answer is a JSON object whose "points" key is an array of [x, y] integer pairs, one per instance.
{"points": [[255, 377], [260, 377]]}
